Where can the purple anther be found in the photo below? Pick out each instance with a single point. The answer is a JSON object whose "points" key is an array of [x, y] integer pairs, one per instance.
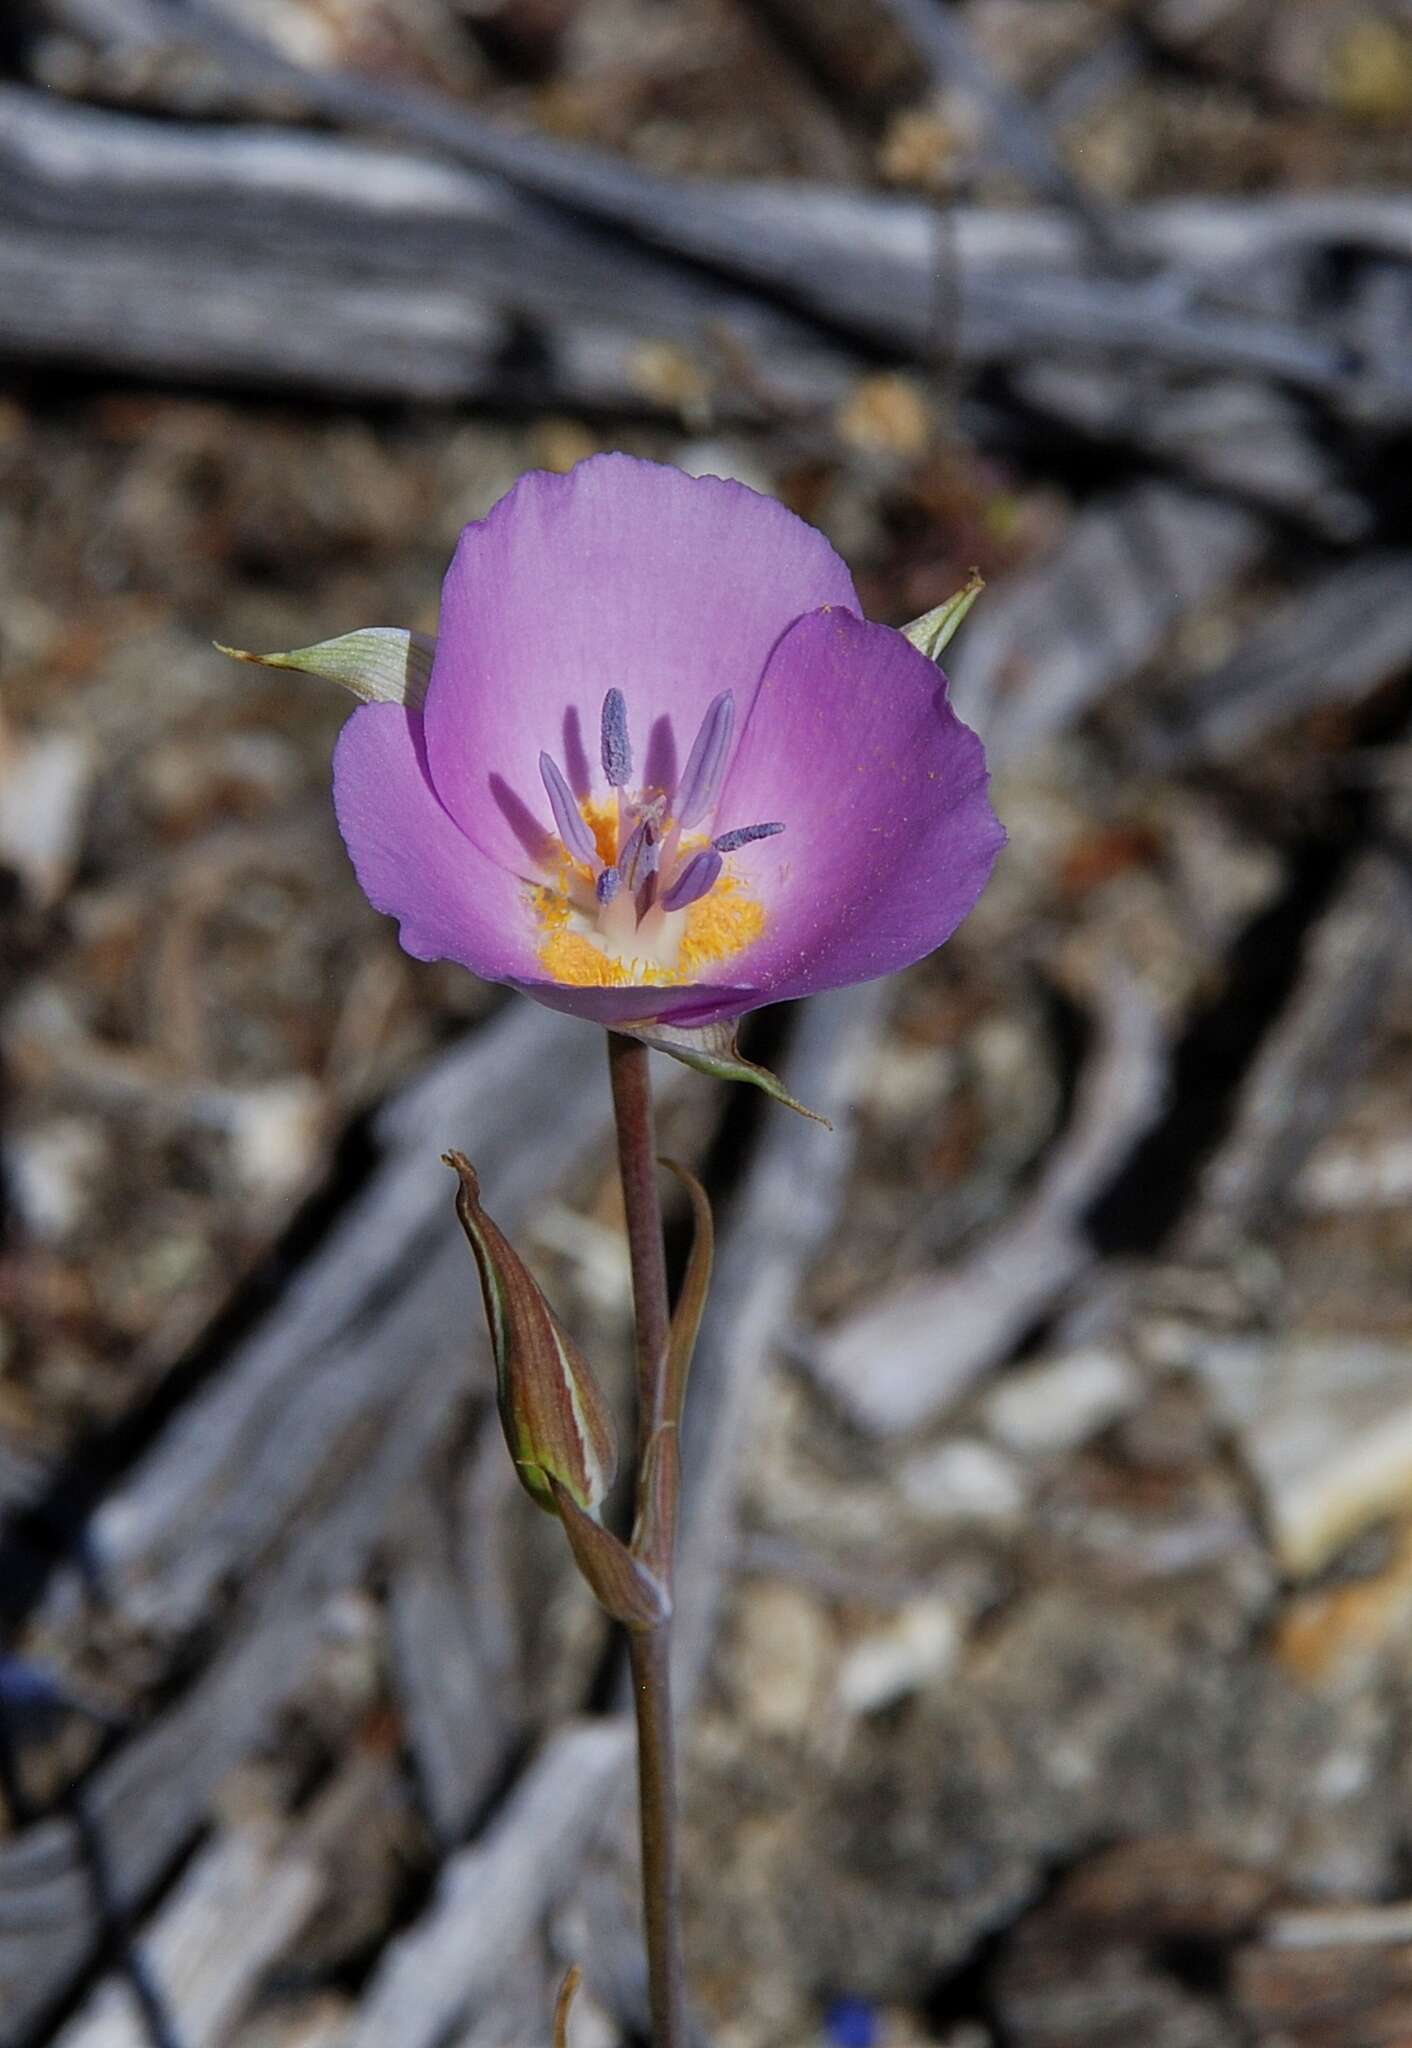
{"points": [[700, 783], [607, 885], [572, 829], [742, 836], [615, 744], [640, 856], [645, 897], [696, 878]]}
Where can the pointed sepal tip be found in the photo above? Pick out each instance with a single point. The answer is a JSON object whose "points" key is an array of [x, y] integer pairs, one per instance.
{"points": [[378, 664], [934, 631]]}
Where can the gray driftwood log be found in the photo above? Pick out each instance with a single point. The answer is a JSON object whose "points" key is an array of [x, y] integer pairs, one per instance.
{"points": [[288, 257], [278, 1480]]}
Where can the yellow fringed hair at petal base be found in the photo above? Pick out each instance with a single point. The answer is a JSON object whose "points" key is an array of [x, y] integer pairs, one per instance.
{"points": [[714, 929]]}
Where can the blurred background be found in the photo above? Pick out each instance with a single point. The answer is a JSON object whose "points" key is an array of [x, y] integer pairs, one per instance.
{"points": [[1048, 1586]]}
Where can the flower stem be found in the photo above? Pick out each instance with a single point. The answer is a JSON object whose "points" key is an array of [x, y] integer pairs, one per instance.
{"points": [[637, 1163], [650, 1649]]}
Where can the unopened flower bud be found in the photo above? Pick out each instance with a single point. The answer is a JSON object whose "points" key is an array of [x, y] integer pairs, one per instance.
{"points": [[557, 1424]]}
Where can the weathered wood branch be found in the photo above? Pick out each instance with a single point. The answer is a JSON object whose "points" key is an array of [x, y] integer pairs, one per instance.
{"points": [[460, 1724], [281, 1475], [1335, 642], [246, 1896], [783, 1221], [1061, 634], [493, 1894], [1315, 1049], [149, 1801], [386, 1291], [178, 250], [901, 1362], [1017, 134], [265, 256]]}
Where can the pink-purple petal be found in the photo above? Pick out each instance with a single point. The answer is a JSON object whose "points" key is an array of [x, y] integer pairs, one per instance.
{"points": [[622, 574], [889, 834], [635, 602], [414, 862], [693, 1004]]}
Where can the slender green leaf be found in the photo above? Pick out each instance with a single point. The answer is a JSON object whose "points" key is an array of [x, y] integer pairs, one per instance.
{"points": [[691, 1303], [654, 1533], [712, 1049]]}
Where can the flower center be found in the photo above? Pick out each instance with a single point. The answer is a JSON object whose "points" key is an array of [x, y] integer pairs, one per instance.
{"points": [[642, 891]]}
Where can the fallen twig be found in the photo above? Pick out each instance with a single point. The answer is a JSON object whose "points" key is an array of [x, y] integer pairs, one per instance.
{"points": [[901, 1362]]}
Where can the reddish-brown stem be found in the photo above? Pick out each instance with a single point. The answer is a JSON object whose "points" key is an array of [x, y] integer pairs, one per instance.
{"points": [[637, 1163], [650, 1650]]}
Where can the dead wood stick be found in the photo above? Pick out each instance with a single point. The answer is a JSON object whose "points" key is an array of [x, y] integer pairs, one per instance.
{"points": [[261, 255], [787, 1211], [901, 1362], [1054, 639], [491, 1896], [734, 220], [1342, 635], [243, 1901], [226, 1477], [1313, 1052], [521, 2011], [280, 1476], [1018, 135], [1113, 62], [460, 1725], [152, 1796], [865, 266], [1242, 437]]}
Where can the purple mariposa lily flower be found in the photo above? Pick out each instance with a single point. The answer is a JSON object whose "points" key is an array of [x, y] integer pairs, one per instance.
{"points": [[664, 771]]}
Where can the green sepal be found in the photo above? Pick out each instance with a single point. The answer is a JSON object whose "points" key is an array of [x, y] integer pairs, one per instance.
{"points": [[623, 1584], [558, 1426], [711, 1049], [933, 632], [380, 664]]}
